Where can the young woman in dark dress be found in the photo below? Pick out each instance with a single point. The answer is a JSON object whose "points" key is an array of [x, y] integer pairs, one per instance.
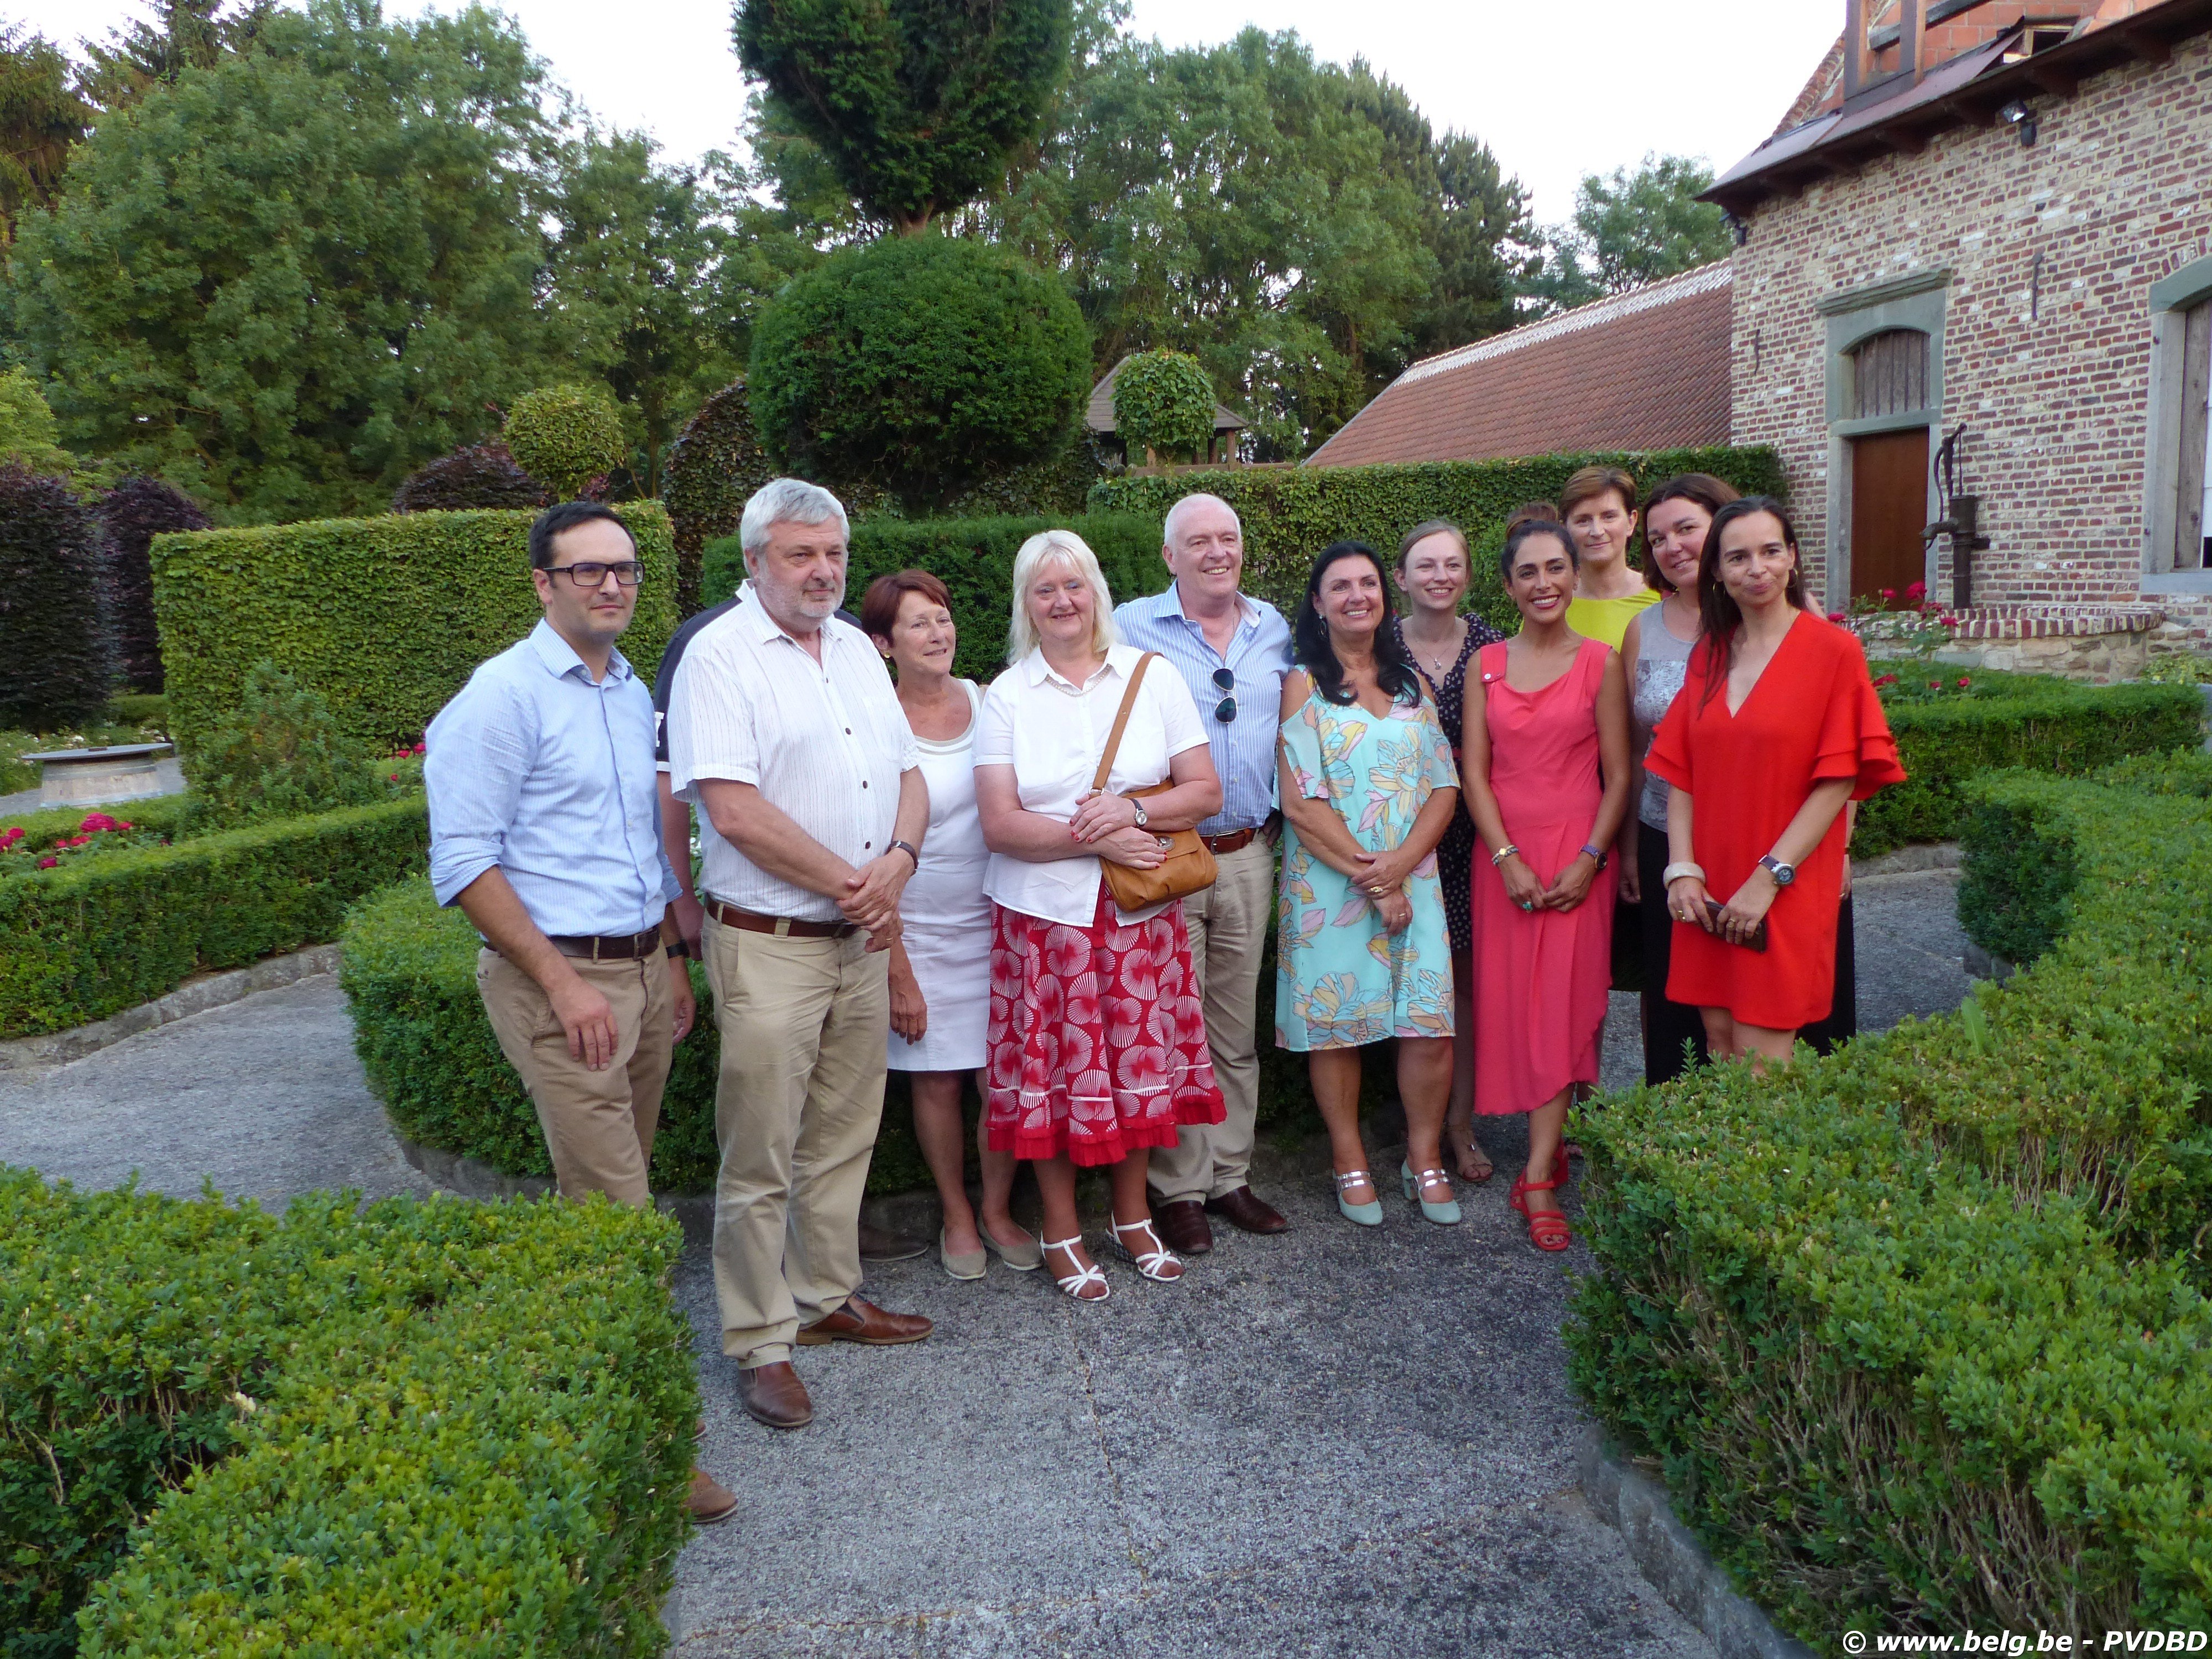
{"points": [[1432, 574]]}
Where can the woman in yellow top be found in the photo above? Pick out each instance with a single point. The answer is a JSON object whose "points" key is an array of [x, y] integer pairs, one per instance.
{"points": [[1598, 506]]}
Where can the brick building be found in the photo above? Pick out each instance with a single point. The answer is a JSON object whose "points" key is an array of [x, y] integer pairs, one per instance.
{"points": [[1988, 224], [1646, 369]]}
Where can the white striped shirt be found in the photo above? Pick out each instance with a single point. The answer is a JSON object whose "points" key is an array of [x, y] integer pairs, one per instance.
{"points": [[824, 743]]}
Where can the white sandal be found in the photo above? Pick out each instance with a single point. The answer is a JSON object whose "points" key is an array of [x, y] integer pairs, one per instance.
{"points": [[1073, 1284], [1154, 1263]]}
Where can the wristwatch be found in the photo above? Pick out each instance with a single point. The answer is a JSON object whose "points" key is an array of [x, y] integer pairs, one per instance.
{"points": [[1596, 854], [1143, 822], [1783, 874], [907, 848]]}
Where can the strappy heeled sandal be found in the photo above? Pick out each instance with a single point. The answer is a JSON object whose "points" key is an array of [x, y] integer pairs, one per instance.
{"points": [[1547, 1228], [1153, 1263], [1369, 1214], [1417, 1185], [1073, 1286]]}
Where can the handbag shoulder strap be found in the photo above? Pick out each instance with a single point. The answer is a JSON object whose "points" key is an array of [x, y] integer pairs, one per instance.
{"points": [[1122, 720]]}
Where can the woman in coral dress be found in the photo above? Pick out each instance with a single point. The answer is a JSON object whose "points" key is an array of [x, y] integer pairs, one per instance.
{"points": [[1545, 747], [1777, 727]]}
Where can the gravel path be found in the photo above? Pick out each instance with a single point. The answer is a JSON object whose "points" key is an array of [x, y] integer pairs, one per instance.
{"points": [[1336, 1442]]}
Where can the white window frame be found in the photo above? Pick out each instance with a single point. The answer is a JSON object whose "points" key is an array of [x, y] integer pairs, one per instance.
{"points": [[2170, 298]]}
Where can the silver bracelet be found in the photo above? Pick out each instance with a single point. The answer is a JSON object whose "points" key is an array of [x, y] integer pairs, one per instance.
{"points": [[1502, 854]]}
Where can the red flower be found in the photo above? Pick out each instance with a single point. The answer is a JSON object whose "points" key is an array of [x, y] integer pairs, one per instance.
{"points": [[48, 863], [1915, 591], [419, 749], [1835, 615], [395, 777], [98, 821], [1888, 594], [1886, 679], [1935, 685], [1965, 681]]}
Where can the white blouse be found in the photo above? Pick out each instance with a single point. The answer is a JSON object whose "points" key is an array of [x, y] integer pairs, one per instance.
{"points": [[1052, 733]]}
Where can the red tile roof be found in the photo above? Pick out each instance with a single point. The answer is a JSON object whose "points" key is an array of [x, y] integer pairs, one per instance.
{"points": [[1647, 369]]}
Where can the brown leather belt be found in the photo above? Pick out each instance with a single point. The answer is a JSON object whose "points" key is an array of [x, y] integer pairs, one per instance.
{"points": [[621, 948], [782, 926], [1234, 842]]}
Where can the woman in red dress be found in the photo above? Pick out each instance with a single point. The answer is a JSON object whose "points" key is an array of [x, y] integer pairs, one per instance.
{"points": [[1777, 727], [1546, 770]]}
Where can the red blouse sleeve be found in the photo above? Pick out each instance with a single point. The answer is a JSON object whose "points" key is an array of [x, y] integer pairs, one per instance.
{"points": [[1855, 739], [1669, 757]]}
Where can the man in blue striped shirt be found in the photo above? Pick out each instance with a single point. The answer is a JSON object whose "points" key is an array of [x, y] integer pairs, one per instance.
{"points": [[1233, 651]]}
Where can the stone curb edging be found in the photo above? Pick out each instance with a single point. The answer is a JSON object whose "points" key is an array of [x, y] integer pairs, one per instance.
{"points": [[60, 1047], [1909, 860], [1672, 1560]]}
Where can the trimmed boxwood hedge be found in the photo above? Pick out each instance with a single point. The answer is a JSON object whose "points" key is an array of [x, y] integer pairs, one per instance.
{"points": [[425, 1426], [2033, 720], [974, 558], [409, 972], [386, 618], [1917, 1333], [100, 935], [1291, 513]]}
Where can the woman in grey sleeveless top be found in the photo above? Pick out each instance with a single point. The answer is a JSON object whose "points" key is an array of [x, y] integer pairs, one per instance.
{"points": [[1656, 654]]}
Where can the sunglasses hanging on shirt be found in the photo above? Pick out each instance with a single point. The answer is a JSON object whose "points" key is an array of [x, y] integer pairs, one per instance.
{"points": [[1225, 710]]}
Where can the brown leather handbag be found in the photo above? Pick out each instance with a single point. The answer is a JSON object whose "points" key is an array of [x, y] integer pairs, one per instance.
{"points": [[1189, 866]]}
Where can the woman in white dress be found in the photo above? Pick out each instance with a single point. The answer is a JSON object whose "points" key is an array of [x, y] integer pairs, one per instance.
{"points": [[938, 1035]]}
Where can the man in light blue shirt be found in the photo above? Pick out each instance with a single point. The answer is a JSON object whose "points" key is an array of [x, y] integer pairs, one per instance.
{"points": [[1232, 650], [545, 830]]}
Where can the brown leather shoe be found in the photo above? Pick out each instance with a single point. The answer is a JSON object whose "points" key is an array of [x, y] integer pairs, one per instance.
{"points": [[860, 1321], [708, 1500], [1246, 1209], [1181, 1226], [773, 1395]]}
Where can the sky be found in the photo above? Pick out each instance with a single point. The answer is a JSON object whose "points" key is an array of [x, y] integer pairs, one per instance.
{"points": [[1706, 78]]}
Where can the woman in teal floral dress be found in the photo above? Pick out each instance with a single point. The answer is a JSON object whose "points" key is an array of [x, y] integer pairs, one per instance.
{"points": [[1362, 950]]}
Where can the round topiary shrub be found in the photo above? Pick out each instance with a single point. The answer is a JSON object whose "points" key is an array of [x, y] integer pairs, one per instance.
{"points": [[570, 435], [57, 655], [714, 466], [917, 364], [476, 476], [133, 514], [1164, 403]]}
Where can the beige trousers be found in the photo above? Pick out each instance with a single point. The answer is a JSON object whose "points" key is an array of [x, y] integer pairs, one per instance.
{"points": [[599, 1125], [801, 1092], [1228, 924]]}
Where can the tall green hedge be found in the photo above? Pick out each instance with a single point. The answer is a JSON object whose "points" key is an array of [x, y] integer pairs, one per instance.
{"points": [[1289, 513], [974, 558], [409, 973], [2049, 725], [436, 1427], [91, 939], [1918, 1331], [386, 618]]}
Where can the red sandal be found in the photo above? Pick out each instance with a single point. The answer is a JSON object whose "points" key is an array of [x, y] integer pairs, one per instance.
{"points": [[1547, 1228]]}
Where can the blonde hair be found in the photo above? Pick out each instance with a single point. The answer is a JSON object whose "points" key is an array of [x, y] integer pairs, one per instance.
{"points": [[1040, 551]]}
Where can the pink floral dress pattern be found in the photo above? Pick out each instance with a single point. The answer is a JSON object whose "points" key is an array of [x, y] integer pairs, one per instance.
{"points": [[1097, 1036]]}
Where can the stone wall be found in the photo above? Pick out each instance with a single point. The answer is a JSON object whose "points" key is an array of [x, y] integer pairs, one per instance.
{"points": [[2053, 250]]}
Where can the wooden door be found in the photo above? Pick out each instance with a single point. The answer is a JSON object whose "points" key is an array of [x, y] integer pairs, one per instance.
{"points": [[1889, 511]]}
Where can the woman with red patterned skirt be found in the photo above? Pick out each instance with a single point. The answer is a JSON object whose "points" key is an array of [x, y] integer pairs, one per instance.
{"points": [[1778, 725], [1098, 1038]]}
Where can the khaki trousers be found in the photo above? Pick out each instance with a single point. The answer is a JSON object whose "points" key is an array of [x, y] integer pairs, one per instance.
{"points": [[1228, 924], [599, 1125], [801, 1092]]}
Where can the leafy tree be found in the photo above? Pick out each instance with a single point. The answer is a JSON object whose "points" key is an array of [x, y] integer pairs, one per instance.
{"points": [[284, 280], [1164, 405], [183, 34], [280, 754], [41, 118], [1630, 228], [1241, 203], [916, 365], [57, 655], [133, 514], [915, 105], [657, 275], [570, 435], [1486, 245], [28, 432]]}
